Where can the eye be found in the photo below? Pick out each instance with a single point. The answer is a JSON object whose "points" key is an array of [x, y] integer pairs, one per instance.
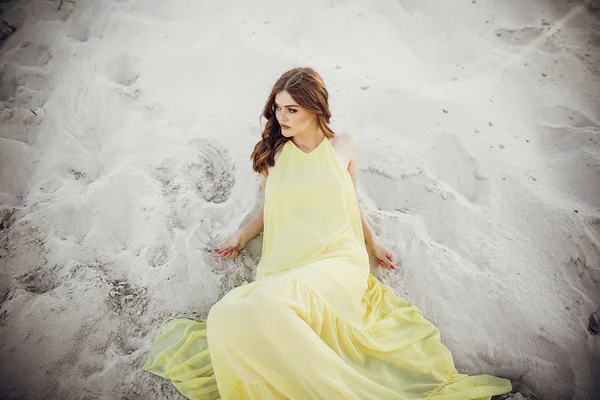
{"points": [[292, 110]]}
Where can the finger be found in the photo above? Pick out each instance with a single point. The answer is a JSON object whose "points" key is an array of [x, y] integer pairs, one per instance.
{"points": [[388, 264], [223, 248], [390, 257], [223, 254]]}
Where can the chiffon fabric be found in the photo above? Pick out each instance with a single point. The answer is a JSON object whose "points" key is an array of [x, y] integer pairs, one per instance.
{"points": [[315, 324]]}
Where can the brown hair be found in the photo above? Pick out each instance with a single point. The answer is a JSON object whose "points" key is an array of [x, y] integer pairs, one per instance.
{"points": [[307, 88]]}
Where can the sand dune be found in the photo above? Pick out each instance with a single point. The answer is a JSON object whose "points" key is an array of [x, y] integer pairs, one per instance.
{"points": [[125, 133]]}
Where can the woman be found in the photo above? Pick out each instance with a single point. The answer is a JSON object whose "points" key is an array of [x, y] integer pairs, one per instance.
{"points": [[315, 324]]}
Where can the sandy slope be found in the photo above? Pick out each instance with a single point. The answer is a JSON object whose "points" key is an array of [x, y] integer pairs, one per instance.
{"points": [[125, 131]]}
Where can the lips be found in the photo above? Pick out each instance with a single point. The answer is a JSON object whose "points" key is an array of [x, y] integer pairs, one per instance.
{"points": [[284, 126]]}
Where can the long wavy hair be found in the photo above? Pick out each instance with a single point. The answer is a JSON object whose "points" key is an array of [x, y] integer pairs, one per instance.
{"points": [[307, 88]]}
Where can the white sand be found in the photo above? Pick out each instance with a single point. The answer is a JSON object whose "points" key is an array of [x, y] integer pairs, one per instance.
{"points": [[125, 134]]}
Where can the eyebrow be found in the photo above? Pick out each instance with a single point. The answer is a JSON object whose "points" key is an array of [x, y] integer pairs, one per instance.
{"points": [[291, 105]]}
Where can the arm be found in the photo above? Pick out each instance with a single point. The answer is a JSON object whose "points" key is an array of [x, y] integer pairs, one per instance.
{"points": [[256, 224], [231, 246], [370, 237], [252, 228], [384, 256]]}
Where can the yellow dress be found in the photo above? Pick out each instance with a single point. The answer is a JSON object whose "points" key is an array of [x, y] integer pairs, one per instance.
{"points": [[315, 324]]}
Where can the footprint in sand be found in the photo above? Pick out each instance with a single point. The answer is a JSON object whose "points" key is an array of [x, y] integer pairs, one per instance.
{"points": [[5, 295], [203, 170], [76, 343], [5, 30], [4, 317], [166, 173], [23, 86], [77, 175], [242, 271], [29, 54], [16, 164], [159, 252], [121, 295], [82, 27], [23, 90], [206, 169], [79, 32], [38, 281], [75, 359], [18, 123], [123, 70], [212, 172], [586, 262], [53, 10], [125, 301], [124, 297], [529, 37], [594, 323]]}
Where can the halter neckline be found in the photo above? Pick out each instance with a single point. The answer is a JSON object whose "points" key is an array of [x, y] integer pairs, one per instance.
{"points": [[313, 150]]}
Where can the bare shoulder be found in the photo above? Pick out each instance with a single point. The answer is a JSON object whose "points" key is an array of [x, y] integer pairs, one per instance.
{"points": [[345, 141], [346, 146]]}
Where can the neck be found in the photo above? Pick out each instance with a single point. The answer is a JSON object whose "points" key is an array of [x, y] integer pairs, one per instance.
{"points": [[308, 140]]}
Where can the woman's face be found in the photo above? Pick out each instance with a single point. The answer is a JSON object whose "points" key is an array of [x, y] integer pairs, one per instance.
{"points": [[292, 118]]}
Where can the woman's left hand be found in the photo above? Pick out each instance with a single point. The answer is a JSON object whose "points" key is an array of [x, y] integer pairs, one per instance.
{"points": [[385, 257]]}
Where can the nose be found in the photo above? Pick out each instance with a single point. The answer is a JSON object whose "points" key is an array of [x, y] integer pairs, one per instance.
{"points": [[282, 115]]}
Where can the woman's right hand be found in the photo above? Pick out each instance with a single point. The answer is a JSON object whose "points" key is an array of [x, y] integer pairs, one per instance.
{"points": [[230, 247]]}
